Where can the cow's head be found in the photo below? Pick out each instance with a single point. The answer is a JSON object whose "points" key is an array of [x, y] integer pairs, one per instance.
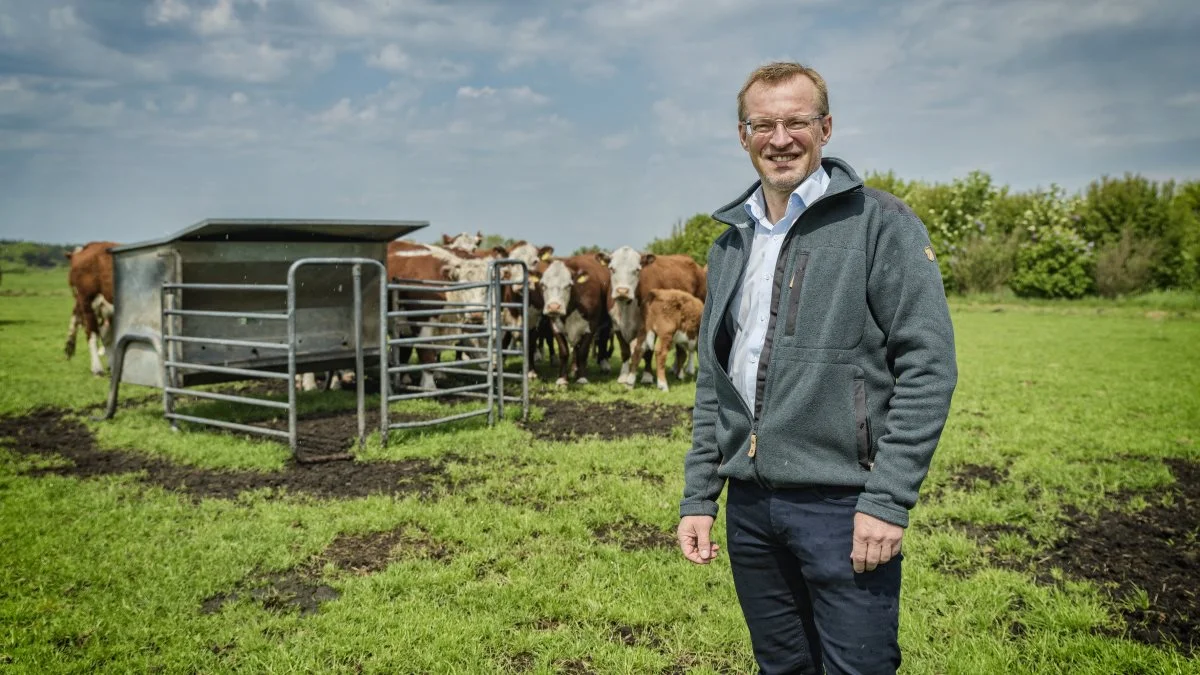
{"points": [[555, 284], [626, 267], [466, 241], [468, 270]]}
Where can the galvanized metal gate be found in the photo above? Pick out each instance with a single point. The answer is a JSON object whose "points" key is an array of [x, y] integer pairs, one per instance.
{"points": [[175, 337], [441, 325]]}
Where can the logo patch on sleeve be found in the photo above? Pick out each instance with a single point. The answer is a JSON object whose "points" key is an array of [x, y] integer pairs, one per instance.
{"points": [[929, 253]]}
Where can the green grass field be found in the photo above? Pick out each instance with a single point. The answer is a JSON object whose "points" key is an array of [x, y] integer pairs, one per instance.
{"points": [[532, 555]]}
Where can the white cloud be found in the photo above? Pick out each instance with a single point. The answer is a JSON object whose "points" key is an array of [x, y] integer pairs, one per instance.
{"points": [[390, 58], [522, 95], [238, 98], [167, 11], [218, 19]]}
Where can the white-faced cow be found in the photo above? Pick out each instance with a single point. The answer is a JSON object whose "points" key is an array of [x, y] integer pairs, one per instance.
{"points": [[634, 277], [574, 291], [403, 265], [465, 242], [91, 281], [674, 313]]}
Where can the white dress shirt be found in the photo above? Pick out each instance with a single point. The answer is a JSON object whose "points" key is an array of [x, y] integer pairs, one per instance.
{"points": [[752, 304]]}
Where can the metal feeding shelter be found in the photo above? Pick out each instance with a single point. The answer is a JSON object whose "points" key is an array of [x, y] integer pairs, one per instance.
{"points": [[235, 299]]}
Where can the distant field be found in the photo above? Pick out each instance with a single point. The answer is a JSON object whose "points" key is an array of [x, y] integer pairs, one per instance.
{"points": [[1057, 532]]}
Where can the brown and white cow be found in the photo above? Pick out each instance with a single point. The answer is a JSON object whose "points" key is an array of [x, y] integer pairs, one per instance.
{"points": [[673, 313], [574, 292], [404, 263], [465, 242], [634, 277], [91, 280]]}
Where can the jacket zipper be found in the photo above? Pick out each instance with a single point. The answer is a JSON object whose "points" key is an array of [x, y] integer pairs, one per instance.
{"points": [[754, 414]]}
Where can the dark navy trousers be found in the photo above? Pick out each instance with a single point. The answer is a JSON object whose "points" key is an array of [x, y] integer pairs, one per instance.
{"points": [[807, 610]]}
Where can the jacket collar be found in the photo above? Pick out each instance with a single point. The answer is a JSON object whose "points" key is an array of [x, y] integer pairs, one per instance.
{"points": [[842, 179]]}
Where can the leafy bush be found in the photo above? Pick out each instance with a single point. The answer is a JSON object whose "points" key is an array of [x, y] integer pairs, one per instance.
{"points": [[983, 263], [950, 212], [1125, 266], [692, 238], [1181, 256], [1054, 262]]}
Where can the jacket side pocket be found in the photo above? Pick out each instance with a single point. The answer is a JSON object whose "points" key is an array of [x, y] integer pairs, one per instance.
{"points": [[862, 427], [795, 284]]}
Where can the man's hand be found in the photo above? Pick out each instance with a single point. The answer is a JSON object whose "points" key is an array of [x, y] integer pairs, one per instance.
{"points": [[694, 539], [875, 542]]}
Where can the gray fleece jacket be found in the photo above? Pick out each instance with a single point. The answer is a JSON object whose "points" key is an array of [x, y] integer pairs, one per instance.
{"points": [[858, 368]]}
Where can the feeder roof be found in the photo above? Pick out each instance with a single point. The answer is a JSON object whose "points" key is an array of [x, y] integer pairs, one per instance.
{"points": [[285, 229]]}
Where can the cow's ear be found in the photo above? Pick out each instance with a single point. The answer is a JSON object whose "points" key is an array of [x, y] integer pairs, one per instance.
{"points": [[647, 258], [500, 251], [447, 239], [545, 252], [581, 278], [603, 257]]}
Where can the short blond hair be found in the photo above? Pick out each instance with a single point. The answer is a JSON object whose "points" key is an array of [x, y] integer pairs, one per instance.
{"points": [[783, 71]]}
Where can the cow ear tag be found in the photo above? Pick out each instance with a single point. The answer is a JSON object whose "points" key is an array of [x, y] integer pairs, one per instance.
{"points": [[582, 278]]}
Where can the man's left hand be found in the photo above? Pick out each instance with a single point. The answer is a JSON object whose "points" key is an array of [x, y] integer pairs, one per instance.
{"points": [[875, 542]]}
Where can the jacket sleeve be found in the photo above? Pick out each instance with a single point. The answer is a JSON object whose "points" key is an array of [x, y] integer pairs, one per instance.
{"points": [[908, 301], [702, 485]]}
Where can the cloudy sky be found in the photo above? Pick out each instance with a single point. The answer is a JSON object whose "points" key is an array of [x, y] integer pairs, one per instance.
{"points": [[567, 122]]}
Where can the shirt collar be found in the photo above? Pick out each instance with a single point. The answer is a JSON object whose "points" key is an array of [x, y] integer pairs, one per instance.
{"points": [[803, 196]]}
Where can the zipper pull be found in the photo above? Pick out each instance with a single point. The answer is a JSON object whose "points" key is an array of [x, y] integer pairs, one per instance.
{"points": [[793, 280], [753, 445]]}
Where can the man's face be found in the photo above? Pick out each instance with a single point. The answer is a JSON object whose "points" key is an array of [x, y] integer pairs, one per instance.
{"points": [[784, 159]]}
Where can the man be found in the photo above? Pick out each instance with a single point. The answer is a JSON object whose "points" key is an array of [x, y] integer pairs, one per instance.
{"points": [[826, 370]]}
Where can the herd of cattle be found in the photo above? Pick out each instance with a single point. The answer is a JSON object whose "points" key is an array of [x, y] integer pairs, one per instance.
{"points": [[575, 303]]}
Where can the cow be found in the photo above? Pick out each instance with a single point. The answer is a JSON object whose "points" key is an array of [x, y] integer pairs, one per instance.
{"points": [[405, 264], [574, 290], [634, 276], [91, 280], [674, 316], [465, 242]]}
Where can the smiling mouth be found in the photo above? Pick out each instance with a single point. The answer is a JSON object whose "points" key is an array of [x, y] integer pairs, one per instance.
{"points": [[782, 159]]}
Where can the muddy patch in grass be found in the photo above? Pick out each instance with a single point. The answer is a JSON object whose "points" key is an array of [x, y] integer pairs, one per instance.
{"points": [[565, 420], [364, 553], [632, 535], [967, 475], [1155, 551], [50, 432]]}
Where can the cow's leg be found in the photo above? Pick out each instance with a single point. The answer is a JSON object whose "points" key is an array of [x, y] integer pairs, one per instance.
{"points": [[308, 382], [661, 349], [625, 377], [646, 356], [94, 352], [604, 347], [428, 356], [581, 356], [681, 354], [564, 362], [72, 331]]}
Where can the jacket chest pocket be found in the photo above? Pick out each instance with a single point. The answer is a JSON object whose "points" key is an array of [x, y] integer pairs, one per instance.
{"points": [[827, 299]]}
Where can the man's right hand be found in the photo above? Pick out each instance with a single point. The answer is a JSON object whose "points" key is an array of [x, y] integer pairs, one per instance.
{"points": [[694, 539]]}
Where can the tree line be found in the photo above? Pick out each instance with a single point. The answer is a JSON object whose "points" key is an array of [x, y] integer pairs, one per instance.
{"points": [[1118, 236]]}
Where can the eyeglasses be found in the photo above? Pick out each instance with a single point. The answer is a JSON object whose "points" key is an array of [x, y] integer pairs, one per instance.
{"points": [[765, 126]]}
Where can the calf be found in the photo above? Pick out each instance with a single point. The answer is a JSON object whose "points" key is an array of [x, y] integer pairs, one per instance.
{"points": [[91, 280], [674, 316], [634, 276], [574, 291]]}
